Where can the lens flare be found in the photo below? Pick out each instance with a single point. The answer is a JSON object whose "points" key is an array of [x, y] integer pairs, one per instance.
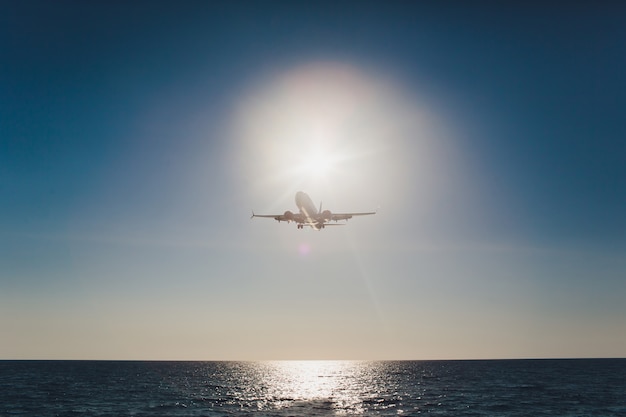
{"points": [[304, 249]]}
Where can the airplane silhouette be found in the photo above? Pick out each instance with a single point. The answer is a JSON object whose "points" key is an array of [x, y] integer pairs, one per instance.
{"points": [[308, 215]]}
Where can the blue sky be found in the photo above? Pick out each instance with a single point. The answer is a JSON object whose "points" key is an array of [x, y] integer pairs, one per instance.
{"points": [[135, 139]]}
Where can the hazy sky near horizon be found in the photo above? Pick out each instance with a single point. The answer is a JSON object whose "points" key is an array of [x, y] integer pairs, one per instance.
{"points": [[136, 138]]}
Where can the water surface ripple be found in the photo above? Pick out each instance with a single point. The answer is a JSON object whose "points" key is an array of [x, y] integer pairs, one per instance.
{"points": [[581, 387]]}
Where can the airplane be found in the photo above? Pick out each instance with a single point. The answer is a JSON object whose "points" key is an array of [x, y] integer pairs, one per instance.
{"points": [[308, 215]]}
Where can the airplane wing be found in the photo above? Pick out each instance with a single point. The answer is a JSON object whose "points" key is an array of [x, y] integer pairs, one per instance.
{"points": [[346, 216], [269, 216], [285, 217]]}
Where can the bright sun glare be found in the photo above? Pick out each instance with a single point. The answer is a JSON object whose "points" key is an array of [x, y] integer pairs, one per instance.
{"points": [[329, 129], [316, 164]]}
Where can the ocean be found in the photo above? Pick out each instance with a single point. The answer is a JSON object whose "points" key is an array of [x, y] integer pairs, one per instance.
{"points": [[566, 387]]}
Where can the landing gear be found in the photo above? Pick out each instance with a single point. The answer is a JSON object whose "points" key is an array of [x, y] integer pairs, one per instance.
{"points": [[318, 226]]}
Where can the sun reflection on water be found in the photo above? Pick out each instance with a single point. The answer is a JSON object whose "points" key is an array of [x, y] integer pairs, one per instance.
{"points": [[302, 388], [330, 383], [307, 379]]}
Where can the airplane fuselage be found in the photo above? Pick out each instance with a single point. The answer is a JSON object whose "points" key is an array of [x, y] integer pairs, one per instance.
{"points": [[305, 204]]}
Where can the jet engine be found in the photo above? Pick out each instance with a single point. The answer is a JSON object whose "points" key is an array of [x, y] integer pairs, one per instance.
{"points": [[288, 215], [327, 215]]}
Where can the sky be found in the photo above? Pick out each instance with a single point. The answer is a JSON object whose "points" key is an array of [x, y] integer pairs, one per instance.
{"points": [[136, 139]]}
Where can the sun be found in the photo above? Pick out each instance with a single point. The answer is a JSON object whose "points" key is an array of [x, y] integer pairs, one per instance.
{"points": [[324, 126], [317, 164]]}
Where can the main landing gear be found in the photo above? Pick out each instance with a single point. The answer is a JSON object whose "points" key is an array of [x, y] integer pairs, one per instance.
{"points": [[319, 226]]}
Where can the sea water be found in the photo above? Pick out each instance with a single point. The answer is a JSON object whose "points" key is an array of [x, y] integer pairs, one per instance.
{"points": [[582, 387]]}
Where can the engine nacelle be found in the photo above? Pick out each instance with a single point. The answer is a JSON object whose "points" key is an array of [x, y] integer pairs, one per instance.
{"points": [[327, 215], [288, 215]]}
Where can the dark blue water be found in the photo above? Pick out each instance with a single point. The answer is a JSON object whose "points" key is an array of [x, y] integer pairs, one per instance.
{"points": [[594, 387]]}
